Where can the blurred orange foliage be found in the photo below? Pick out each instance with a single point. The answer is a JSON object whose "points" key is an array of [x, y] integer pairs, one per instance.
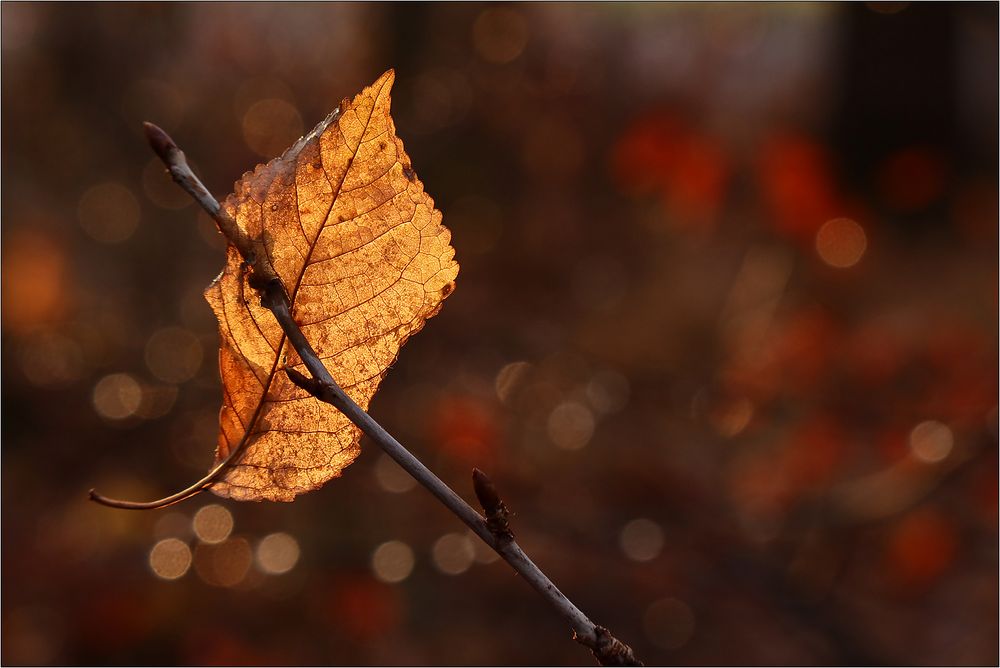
{"points": [[921, 547], [797, 184], [661, 154]]}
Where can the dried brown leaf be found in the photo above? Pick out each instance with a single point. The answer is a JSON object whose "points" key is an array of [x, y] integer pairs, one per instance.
{"points": [[365, 260]]}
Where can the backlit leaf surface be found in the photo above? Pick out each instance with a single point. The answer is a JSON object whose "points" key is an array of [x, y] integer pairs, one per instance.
{"points": [[365, 260]]}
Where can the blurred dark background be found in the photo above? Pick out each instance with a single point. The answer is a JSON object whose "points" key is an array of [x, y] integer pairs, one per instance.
{"points": [[725, 334]]}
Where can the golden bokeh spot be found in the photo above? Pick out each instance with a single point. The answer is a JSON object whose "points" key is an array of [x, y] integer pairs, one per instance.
{"points": [[108, 212], [48, 358], [157, 401], [484, 553], [841, 243], [931, 441], [733, 417], [392, 561], [271, 125], [500, 34], [571, 425], [277, 553], [117, 396], [641, 540], [170, 558], [669, 623], [391, 477], [509, 378], [212, 523], [173, 354], [608, 391], [223, 564], [264, 87], [453, 553]]}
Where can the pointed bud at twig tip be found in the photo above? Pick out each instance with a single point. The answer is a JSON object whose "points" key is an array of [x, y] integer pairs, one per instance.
{"points": [[159, 140], [494, 507], [486, 492]]}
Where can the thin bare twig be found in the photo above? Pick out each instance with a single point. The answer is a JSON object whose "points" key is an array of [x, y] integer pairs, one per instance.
{"points": [[493, 529], [608, 649]]}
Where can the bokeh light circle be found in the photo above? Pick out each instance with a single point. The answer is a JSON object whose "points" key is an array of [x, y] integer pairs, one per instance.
{"points": [[170, 558]]}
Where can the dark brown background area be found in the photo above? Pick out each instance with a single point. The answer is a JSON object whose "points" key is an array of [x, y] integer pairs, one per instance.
{"points": [[725, 333]]}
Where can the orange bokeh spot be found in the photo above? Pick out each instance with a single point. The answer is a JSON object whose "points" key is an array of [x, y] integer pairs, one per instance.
{"points": [[662, 155], [912, 179], [34, 290], [464, 428], [796, 179], [841, 243], [364, 607], [921, 547]]}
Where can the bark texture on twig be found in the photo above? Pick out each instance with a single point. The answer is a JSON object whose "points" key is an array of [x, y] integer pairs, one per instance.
{"points": [[493, 529]]}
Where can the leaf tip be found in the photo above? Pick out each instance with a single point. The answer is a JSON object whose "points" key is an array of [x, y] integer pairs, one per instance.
{"points": [[384, 82]]}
